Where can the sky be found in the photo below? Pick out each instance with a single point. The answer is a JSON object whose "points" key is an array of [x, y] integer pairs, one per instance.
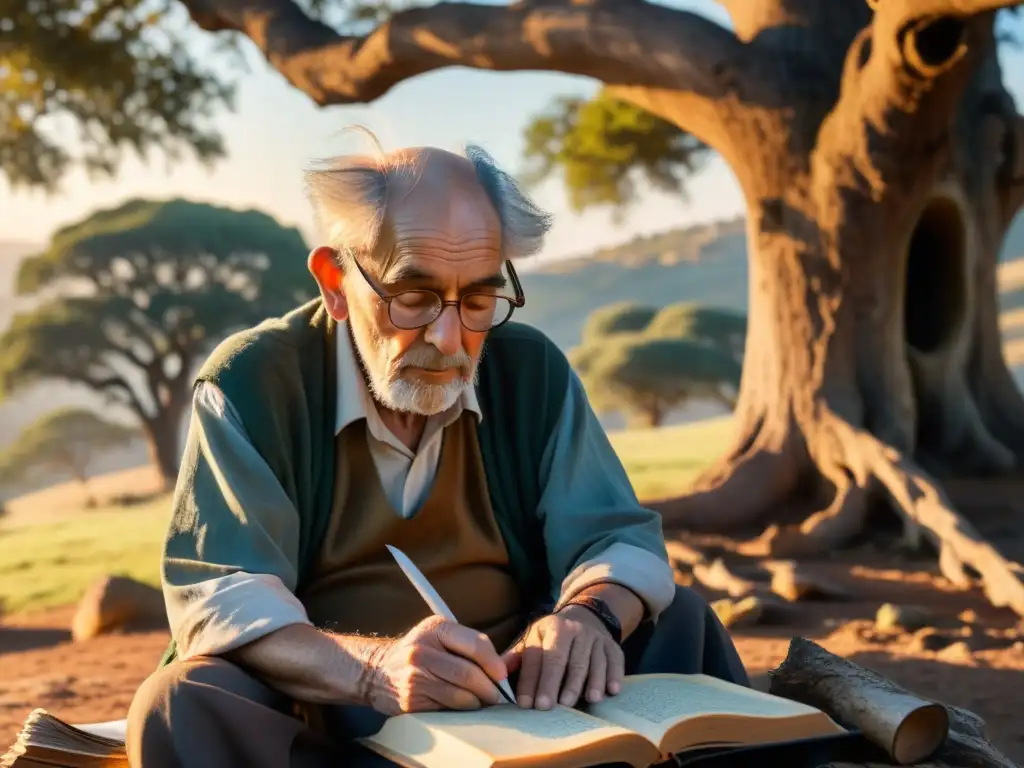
{"points": [[276, 131]]}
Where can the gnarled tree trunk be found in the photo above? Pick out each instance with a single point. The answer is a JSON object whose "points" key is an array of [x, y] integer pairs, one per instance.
{"points": [[881, 160], [873, 358]]}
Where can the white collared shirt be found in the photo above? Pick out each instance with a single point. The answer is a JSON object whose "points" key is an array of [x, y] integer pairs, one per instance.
{"points": [[405, 475]]}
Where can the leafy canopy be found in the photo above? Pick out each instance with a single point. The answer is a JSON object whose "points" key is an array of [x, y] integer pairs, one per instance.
{"points": [[649, 376], [722, 328], [84, 82], [603, 146], [138, 292], [618, 317], [67, 440]]}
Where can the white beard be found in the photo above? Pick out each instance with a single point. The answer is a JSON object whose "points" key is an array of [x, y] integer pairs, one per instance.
{"points": [[407, 395]]}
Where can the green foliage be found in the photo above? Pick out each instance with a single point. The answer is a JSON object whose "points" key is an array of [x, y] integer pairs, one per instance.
{"points": [[135, 295], [602, 146], [722, 328], [620, 317], [116, 72], [581, 358], [645, 361], [67, 440], [650, 376]]}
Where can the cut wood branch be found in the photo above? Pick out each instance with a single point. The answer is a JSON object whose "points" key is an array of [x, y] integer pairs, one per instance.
{"points": [[615, 41], [911, 729]]}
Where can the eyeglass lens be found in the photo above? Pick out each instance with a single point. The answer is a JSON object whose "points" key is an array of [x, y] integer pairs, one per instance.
{"points": [[478, 311]]}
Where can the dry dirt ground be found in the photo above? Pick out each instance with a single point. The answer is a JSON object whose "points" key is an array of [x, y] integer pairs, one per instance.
{"points": [[94, 680]]}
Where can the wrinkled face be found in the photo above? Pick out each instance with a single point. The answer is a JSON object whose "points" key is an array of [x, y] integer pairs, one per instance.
{"points": [[444, 236]]}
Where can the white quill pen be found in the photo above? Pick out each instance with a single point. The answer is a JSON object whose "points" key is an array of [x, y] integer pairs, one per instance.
{"points": [[434, 601]]}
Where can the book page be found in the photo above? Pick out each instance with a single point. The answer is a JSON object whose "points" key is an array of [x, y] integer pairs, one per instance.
{"points": [[508, 730], [503, 732], [651, 704]]}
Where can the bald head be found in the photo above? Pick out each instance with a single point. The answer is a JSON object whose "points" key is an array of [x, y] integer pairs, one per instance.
{"points": [[367, 204]]}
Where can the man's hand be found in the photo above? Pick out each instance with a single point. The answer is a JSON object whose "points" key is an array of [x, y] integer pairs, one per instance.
{"points": [[563, 655], [437, 665]]}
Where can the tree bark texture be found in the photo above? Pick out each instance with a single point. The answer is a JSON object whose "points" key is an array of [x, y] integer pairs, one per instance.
{"points": [[874, 358], [881, 160]]}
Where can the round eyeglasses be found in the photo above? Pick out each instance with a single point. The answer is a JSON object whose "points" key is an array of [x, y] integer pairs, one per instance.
{"points": [[479, 312]]}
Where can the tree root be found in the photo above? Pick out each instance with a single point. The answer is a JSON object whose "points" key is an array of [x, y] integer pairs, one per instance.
{"points": [[719, 578], [843, 519], [918, 498], [740, 489], [857, 463], [920, 503]]}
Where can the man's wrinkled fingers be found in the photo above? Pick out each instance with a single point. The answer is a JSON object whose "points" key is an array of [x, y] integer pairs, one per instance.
{"points": [[576, 670], [473, 645], [467, 676], [597, 676], [529, 676], [449, 696], [616, 668], [552, 673]]}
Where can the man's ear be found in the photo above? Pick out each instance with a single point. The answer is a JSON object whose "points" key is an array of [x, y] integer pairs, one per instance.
{"points": [[323, 265]]}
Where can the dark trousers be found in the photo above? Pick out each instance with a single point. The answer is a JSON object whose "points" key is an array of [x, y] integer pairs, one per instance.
{"points": [[209, 713]]}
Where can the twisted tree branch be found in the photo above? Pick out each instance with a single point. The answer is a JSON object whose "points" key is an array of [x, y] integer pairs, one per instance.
{"points": [[615, 41]]}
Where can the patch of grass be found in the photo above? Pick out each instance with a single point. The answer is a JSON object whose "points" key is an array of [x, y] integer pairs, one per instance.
{"points": [[51, 564], [661, 462]]}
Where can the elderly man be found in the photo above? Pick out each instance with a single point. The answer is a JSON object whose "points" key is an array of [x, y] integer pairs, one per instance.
{"points": [[401, 407]]}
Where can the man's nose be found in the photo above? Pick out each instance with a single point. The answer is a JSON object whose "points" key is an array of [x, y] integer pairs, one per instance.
{"points": [[445, 333]]}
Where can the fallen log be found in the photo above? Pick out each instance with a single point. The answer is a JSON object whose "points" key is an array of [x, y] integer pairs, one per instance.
{"points": [[912, 730]]}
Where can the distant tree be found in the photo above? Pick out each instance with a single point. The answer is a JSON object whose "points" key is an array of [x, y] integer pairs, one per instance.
{"points": [[721, 327], [619, 317], [68, 441], [583, 356], [647, 377], [132, 298]]}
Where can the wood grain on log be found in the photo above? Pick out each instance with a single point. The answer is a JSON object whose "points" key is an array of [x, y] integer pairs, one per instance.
{"points": [[913, 730]]}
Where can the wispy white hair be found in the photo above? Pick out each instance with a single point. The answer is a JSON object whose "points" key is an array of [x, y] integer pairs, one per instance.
{"points": [[350, 194]]}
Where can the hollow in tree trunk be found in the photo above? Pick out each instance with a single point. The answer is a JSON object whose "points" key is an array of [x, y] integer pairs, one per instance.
{"points": [[881, 159], [873, 360]]}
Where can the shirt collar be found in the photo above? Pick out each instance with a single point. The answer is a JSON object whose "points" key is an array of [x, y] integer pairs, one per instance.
{"points": [[354, 399]]}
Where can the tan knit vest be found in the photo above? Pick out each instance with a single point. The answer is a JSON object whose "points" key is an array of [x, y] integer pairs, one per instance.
{"points": [[453, 538]]}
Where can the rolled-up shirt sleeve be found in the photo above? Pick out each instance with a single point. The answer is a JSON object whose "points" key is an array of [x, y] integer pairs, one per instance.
{"points": [[229, 567], [595, 529]]}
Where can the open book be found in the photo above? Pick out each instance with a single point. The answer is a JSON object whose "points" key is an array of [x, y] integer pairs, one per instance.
{"points": [[651, 719], [48, 741]]}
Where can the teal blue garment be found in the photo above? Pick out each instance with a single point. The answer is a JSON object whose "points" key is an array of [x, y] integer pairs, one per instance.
{"points": [[559, 493]]}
